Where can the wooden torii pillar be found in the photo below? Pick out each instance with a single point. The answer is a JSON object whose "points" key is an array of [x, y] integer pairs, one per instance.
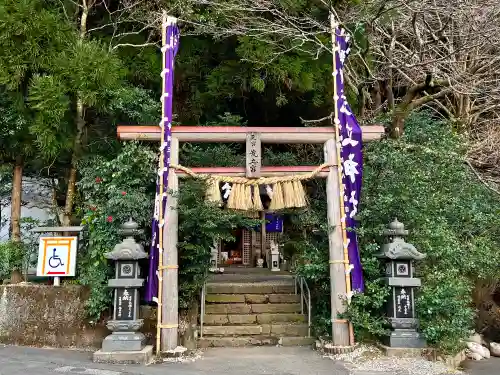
{"points": [[269, 135]]}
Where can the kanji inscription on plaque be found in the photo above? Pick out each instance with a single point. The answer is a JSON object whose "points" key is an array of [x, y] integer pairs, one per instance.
{"points": [[253, 153]]}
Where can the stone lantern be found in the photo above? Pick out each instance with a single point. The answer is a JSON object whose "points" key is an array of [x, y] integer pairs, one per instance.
{"points": [[214, 256], [400, 257], [125, 344], [275, 257]]}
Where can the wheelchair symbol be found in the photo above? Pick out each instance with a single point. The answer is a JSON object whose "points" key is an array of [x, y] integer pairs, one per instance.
{"points": [[55, 261]]}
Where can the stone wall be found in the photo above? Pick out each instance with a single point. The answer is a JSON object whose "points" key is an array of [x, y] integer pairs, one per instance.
{"points": [[44, 315]]}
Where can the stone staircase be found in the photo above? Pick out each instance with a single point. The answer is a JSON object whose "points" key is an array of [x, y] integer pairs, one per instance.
{"points": [[253, 310]]}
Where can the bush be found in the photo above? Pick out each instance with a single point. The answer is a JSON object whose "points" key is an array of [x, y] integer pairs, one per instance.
{"points": [[20, 256], [11, 258], [124, 186], [113, 190], [423, 180]]}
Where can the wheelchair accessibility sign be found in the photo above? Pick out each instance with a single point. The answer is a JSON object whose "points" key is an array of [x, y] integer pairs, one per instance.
{"points": [[56, 256]]}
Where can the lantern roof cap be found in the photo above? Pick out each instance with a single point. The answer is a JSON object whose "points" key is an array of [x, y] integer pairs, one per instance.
{"points": [[396, 228], [128, 249], [130, 228]]}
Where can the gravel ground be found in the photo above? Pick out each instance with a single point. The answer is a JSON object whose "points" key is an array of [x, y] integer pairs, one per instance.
{"points": [[369, 360]]}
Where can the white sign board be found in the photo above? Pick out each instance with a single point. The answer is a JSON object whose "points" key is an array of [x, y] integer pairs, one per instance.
{"points": [[57, 256]]}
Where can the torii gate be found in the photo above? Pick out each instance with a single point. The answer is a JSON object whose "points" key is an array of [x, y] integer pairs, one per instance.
{"points": [[167, 336], [269, 135]]}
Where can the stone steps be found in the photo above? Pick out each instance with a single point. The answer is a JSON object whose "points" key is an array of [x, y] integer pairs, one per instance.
{"points": [[252, 308], [283, 329], [245, 313], [212, 341], [252, 298], [263, 318], [278, 287]]}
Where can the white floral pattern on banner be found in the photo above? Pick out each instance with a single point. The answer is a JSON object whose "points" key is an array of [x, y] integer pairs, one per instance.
{"points": [[351, 161]]}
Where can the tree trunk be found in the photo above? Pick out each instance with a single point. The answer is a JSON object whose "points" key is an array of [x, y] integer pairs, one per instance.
{"points": [[15, 213], [362, 101], [77, 148], [377, 97], [70, 196], [80, 126], [398, 123], [390, 95]]}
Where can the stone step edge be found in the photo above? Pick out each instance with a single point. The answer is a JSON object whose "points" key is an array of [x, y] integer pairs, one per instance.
{"points": [[251, 294], [295, 324], [256, 318], [251, 308], [257, 294], [256, 330], [240, 297], [253, 304], [288, 282], [250, 288], [257, 341]]}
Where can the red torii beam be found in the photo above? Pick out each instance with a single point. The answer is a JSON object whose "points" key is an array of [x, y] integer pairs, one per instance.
{"points": [[229, 134]]}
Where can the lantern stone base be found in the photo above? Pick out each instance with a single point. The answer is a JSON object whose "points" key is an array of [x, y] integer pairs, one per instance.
{"points": [[141, 357], [124, 341], [405, 352], [405, 338]]}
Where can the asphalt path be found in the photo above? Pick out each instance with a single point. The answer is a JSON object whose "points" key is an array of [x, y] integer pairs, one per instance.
{"points": [[15, 360]]}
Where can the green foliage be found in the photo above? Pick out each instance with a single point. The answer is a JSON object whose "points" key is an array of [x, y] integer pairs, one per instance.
{"points": [[211, 155], [114, 189], [11, 258], [50, 102], [133, 104], [306, 239], [91, 70], [5, 183], [14, 121], [31, 36], [247, 76], [367, 310], [19, 256], [118, 188], [5, 193], [51, 70], [445, 308], [423, 180]]}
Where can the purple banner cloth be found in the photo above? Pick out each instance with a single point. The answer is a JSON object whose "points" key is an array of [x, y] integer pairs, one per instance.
{"points": [[274, 223], [351, 159], [169, 50]]}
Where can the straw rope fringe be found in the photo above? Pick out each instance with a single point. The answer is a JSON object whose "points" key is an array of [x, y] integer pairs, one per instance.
{"points": [[288, 191], [253, 181]]}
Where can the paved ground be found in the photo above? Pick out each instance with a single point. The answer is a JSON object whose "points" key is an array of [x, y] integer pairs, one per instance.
{"points": [[227, 361], [485, 367]]}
